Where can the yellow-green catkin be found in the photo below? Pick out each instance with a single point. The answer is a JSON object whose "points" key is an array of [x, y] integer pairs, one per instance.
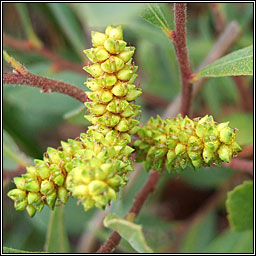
{"points": [[181, 142], [94, 167], [113, 114]]}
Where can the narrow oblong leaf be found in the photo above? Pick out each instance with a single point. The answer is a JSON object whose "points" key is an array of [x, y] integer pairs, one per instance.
{"points": [[154, 15], [57, 240], [240, 207], [236, 63], [129, 231]]}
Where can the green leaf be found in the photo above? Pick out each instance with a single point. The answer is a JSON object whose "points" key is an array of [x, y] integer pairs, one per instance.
{"points": [[154, 15], [13, 157], [232, 242], [57, 239], [234, 64], [129, 231], [240, 207], [70, 25], [199, 235], [11, 250], [244, 123]]}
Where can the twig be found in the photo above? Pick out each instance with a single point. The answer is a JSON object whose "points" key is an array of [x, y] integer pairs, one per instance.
{"points": [[47, 85], [180, 45], [241, 165], [219, 18], [226, 39], [139, 200], [26, 46]]}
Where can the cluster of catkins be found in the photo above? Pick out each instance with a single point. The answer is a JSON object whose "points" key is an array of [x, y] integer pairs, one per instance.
{"points": [[94, 167], [181, 142]]}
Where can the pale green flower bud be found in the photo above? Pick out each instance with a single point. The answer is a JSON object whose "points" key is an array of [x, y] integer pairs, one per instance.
{"points": [[180, 149], [96, 187], [227, 135], [98, 38], [128, 112], [20, 183], [106, 96], [208, 155], [59, 180], [115, 33], [123, 125], [225, 153], [31, 210], [235, 147], [95, 70], [114, 46], [132, 94], [98, 109], [44, 172], [108, 80], [113, 64], [32, 185], [97, 54], [93, 85], [117, 106], [127, 54], [62, 194], [111, 194], [109, 119], [21, 204], [120, 89], [32, 169], [47, 187], [54, 155], [51, 199], [17, 194], [33, 197], [126, 74], [222, 125]]}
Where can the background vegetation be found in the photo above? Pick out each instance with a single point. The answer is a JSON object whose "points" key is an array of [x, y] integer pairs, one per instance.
{"points": [[187, 212]]}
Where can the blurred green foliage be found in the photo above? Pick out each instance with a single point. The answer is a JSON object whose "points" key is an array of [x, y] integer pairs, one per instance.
{"points": [[30, 116]]}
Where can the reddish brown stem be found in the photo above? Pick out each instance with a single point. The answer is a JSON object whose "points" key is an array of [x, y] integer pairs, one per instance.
{"points": [[26, 46], [47, 85], [180, 45], [139, 200], [241, 165]]}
